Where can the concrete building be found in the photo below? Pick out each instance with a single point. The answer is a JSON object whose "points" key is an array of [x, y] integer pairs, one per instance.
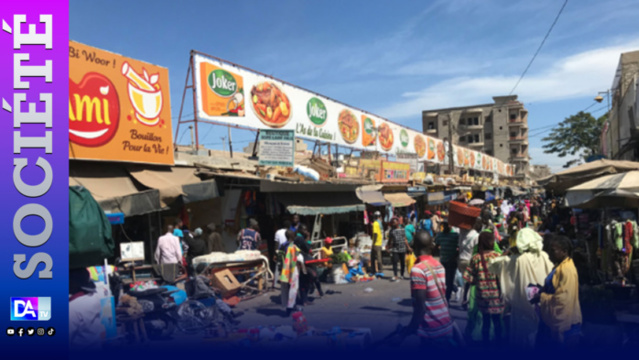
{"points": [[539, 171], [499, 129], [620, 139]]}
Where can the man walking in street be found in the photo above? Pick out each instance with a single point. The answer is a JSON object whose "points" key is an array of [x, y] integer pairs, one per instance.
{"points": [[249, 238], [280, 235], [431, 318], [168, 249], [376, 253], [448, 242], [214, 242], [467, 241]]}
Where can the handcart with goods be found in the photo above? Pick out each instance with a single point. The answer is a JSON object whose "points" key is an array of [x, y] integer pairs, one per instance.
{"points": [[243, 273]]}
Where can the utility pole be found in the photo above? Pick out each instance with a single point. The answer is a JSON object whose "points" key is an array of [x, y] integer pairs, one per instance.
{"points": [[230, 142], [451, 153]]}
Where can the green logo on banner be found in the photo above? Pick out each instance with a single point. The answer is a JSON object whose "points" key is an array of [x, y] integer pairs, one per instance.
{"points": [[316, 111], [368, 126], [403, 138], [222, 83]]}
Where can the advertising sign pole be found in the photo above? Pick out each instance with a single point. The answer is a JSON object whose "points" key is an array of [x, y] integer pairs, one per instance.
{"points": [[186, 86], [195, 116]]}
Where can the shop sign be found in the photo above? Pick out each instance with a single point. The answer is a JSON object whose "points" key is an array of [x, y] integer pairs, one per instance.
{"points": [[418, 176], [277, 148], [395, 172], [370, 169], [119, 108]]}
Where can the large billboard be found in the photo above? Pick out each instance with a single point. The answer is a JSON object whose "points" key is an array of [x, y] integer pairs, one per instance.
{"points": [[233, 95], [119, 108]]}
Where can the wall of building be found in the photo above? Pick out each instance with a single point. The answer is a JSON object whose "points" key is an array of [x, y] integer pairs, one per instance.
{"points": [[491, 133], [622, 135]]}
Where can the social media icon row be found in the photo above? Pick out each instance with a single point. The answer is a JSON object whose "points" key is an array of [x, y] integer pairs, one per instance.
{"points": [[30, 331]]}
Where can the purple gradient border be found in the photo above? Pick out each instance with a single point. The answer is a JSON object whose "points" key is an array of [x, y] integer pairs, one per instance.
{"points": [[56, 200]]}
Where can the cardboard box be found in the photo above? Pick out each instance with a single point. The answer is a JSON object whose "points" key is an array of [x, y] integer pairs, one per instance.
{"points": [[226, 282]]}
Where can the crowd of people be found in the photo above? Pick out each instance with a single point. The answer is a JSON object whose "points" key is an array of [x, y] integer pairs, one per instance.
{"points": [[512, 271]]}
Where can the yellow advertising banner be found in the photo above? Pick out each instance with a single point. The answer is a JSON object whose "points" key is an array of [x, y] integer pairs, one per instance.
{"points": [[119, 108], [395, 172]]}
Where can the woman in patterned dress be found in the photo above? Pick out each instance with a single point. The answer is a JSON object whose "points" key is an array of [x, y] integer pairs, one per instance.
{"points": [[488, 296]]}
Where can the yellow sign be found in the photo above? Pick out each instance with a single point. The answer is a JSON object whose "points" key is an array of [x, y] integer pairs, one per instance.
{"points": [[119, 108], [395, 172]]}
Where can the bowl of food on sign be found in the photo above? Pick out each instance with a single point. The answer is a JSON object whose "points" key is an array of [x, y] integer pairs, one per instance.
{"points": [[270, 104], [420, 146], [460, 156], [386, 137], [441, 152], [467, 157], [431, 149], [348, 126]]}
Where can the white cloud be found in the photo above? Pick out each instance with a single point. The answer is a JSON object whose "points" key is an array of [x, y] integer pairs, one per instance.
{"points": [[582, 74]]}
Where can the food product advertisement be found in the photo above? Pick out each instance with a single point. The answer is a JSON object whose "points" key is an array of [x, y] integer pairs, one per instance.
{"points": [[235, 96], [119, 108]]}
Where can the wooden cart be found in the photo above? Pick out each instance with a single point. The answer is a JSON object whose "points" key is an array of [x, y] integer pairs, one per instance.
{"points": [[259, 276]]}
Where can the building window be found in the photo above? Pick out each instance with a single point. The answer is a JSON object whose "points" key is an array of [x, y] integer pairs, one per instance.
{"points": [[513, 150], [501, 127], [431, 125], [477, 138], [501, 145], [470, 139], [488, 136], [462, 121], [476, 121], [513, 116], [513, 134]]}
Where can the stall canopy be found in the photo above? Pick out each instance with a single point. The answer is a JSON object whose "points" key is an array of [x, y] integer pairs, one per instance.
{"points": [[585, 172], [114, 190], [613, 188], [399, 199], [320, 203], [371, 194], [175, 182]]}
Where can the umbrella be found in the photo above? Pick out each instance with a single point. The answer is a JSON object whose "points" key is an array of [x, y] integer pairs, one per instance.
{"points": [[626, 186], [476, 202]]}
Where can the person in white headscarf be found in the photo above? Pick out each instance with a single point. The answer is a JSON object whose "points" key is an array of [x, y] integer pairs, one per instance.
{"points": [[517, 268], [505, 208]]}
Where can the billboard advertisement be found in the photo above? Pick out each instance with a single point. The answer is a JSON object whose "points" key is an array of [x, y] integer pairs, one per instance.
{"points": [[119, 108], [232, 95]]}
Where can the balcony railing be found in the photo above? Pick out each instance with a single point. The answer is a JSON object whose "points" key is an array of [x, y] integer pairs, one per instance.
{"points": [[518, 138]]}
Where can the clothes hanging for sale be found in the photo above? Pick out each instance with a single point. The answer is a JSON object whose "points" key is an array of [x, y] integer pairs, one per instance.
{"points": [[619, 241]]}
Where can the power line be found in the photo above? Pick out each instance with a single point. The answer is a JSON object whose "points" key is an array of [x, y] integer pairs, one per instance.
{"points": [[540, 46]]}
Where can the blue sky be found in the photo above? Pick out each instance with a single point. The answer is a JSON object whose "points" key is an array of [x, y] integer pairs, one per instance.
{"points": [[394, 59]]}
